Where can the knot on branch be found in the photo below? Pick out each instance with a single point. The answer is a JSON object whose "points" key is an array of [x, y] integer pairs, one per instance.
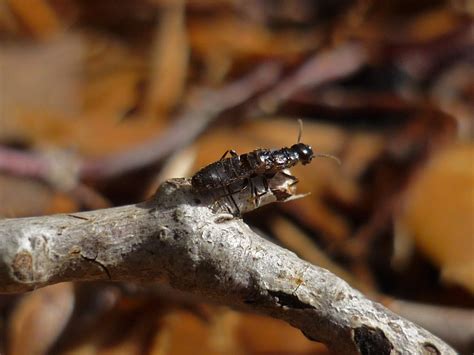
{"points": [[29, 262], [371, 341], [22, 266]]}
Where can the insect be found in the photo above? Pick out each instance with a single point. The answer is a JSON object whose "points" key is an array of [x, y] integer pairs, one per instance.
{"points": [[261, 163]]}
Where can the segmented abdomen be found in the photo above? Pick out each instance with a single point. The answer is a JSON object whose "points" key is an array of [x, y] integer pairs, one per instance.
{"points": [[228, 171], [219, 174]]}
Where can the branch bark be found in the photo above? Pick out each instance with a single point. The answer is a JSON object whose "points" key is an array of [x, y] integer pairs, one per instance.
{"points": [[177, 238]]}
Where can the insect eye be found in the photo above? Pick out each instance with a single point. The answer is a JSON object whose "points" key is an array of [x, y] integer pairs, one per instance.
{"points": [[306, 154]]}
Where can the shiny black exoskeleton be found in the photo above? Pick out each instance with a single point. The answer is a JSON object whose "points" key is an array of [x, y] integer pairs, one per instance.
{"points": [[228, 176], [260, 162]]}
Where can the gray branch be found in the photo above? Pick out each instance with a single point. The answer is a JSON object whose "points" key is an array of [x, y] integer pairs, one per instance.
{"points": [[175, 237]]}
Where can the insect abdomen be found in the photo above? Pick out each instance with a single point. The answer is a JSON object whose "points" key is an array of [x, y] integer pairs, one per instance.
{"points": [[219, 174]]}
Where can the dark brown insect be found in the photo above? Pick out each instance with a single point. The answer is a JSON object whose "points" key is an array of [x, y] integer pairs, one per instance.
{"points": [[227, 171], [262, 163]]}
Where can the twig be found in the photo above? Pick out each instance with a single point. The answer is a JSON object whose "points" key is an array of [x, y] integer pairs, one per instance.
{"points": [[323, 67], [424, 60], [58, 169], [187, 125], [208, 104], [177, 238], [22, 163]]}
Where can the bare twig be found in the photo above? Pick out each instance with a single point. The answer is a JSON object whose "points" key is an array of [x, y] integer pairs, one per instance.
{"points": [[207, 105], [323, 67], [176, 237], [20, 163], [187, 125], [59, 169]]}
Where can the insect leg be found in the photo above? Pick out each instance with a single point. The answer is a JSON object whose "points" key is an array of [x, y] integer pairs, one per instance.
{"points": [[231, 190], [256, 193], [233, 201], [218, 203], [231, 152], [265, 183], [291, 177], [225, 187]]}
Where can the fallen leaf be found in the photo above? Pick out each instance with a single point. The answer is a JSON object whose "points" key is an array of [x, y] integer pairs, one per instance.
{"points": [[439, 213]]}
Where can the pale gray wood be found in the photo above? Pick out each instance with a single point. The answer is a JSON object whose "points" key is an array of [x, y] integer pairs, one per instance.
{"points": [[176, 239]]}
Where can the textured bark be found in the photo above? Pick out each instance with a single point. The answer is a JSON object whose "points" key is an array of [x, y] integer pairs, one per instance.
{"points": [[175, 237]]}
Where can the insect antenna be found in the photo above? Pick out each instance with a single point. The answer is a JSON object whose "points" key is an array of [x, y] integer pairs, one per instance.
{"points": [[330, 156], [300, 131], [322, 155]]}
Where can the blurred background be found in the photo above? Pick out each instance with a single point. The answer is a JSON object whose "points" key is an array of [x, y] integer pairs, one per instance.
{"points": [[101, 101]]}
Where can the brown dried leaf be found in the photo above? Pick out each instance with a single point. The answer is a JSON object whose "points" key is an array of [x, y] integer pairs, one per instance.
{"points": [[439, 213], [187, 335], [38, 16], [39, 78], [215, 37], [169, 60], [37, 322], [259, 334]]}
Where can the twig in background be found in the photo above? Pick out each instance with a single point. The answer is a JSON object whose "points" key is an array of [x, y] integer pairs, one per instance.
{"points": [[89, 197], [176, 238], [424, 60], [323, 67], [58, 169], [186, 126], [21, 163]]}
